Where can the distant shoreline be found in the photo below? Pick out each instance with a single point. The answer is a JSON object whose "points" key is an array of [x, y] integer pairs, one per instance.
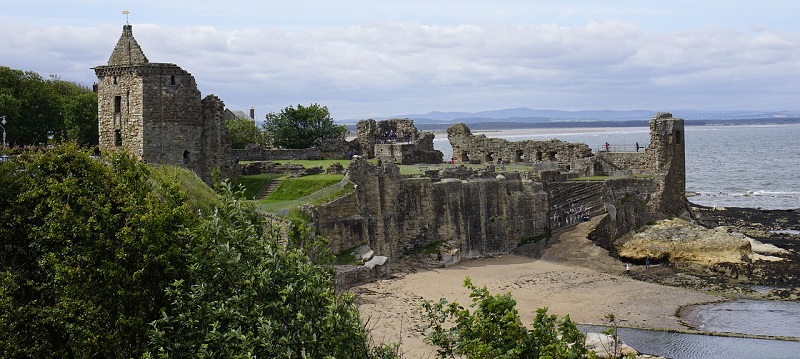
{"points": [[508, 125]]}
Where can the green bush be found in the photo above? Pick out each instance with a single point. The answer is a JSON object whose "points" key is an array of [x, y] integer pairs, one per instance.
{"points": [[88, 247], [104, 259], [248, 296], [495, 330]]}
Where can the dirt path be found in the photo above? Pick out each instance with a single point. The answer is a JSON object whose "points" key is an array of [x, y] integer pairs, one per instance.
{"points": [[574, 277]]}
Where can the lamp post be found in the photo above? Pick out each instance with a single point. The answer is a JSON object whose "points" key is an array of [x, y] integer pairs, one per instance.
{"points": [[2, 123]]}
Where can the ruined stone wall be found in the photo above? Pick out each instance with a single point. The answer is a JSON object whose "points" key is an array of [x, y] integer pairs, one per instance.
{"points": [[484, 212], [398, 215], [341, 222], [397, 141], [627, 203], [617, 164], [469, 148]]}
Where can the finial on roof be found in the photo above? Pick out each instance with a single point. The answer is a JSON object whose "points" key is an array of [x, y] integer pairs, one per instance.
{"points": [[126, 12]]}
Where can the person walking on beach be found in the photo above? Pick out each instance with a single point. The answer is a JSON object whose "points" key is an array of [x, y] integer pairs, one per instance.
{"points": [[637, 146], [647, 262], [627, 268], [606, 146]]}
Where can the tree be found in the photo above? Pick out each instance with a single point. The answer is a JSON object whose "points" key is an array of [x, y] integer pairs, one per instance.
{"points": [[495, 330], [86, 250], [248, 295], [37, 109], [102, 259], [303, 127], [243, 132]]}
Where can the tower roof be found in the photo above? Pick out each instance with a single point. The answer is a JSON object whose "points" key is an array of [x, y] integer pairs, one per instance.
{"points": [[127, 52]]}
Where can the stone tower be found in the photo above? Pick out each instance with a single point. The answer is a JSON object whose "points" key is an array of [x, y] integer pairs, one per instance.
{"points": [[154, 110], [668, 157]]}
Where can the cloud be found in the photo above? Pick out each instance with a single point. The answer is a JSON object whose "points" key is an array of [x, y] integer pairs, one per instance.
{"points": [[399, 67]]}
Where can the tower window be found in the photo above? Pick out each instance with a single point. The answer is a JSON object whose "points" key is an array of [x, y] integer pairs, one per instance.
{"points": [[115, 80], [117, 138], [172, 80], [117, 104], [185, 157], [678, 138]]}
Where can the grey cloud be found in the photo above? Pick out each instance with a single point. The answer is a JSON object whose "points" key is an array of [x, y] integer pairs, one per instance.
{"points": [[405, 67]]}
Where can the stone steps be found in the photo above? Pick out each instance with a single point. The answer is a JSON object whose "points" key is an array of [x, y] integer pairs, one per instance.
{"points": [[570, 201], [271, 186]]}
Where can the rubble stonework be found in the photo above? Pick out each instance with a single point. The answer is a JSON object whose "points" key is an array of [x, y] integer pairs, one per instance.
{"points": [[480, 212], [397, 141], [155, 111], [469, 148]]}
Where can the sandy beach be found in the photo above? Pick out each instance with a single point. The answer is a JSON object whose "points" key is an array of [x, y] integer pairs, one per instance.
{"points": [[574, 277]]}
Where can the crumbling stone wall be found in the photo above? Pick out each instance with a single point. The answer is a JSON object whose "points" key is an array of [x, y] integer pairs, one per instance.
{"points": [[396, 215], [469, 148], [397, 141], [154, 110], [483, 212]]}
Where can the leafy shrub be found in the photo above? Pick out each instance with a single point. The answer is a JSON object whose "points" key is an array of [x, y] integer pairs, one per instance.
{"points": [[86, 250], [246, 295], [495, 330]]}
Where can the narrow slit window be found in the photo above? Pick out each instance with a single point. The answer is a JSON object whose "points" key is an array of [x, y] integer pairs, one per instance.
{"points": [[172, 80], [117, 104], [117, 138]]}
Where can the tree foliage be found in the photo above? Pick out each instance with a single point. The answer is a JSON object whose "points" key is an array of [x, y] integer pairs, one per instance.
{"points": [[37, 109], [86, 250], [248, 295], [243, 132], [100, 259], [302, 127], [495, 330]]}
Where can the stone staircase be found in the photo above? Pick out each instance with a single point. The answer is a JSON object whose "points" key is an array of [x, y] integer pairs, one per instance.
{"points": [[270, 186], [569, 202]]}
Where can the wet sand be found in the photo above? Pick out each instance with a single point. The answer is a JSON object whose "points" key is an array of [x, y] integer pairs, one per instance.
{"points": [[573, 278]]}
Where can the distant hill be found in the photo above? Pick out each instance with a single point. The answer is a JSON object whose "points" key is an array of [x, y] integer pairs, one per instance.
{"points": [[523, 114], [544, 118]]}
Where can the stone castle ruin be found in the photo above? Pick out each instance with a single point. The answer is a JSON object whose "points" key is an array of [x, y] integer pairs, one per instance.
{"points": [[480, 212], [155, 111], [397, 141]]}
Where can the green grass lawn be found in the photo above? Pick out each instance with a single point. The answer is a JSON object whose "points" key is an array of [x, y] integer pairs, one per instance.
{"points": [[294, 188], [254, 183]]}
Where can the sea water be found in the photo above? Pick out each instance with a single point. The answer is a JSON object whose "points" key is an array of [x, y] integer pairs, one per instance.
{"points": [[756, 166]]}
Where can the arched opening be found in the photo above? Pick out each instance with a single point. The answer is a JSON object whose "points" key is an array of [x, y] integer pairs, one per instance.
{"points": [[520, 156], [185, 157]]}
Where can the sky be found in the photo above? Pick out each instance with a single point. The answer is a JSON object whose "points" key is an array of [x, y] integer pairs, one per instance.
{"points": [[375, 59]]}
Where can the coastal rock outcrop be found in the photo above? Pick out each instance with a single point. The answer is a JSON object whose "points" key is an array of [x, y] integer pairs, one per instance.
{"points": [[683, 243]]}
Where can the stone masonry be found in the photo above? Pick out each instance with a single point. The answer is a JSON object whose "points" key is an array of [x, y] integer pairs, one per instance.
{"points": [[397, 141], [484, 212], [155, 111], [469, 148]]}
